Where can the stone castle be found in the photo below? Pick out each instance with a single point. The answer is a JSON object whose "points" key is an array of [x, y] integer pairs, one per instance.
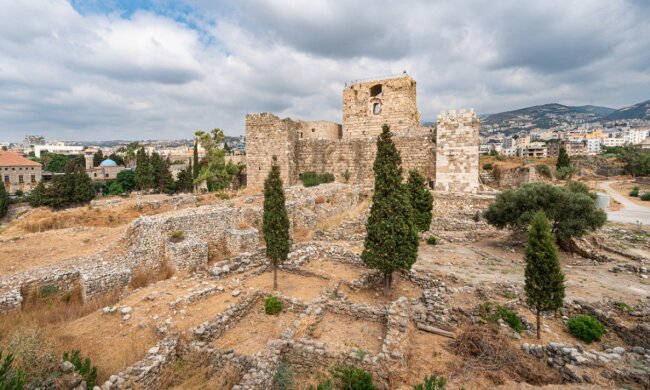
{"points": [[446, 153]]}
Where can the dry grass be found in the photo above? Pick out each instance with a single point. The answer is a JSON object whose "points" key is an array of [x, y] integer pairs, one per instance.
{"points": [[350, 215], [181, 375], [488, 353], [243, 225], [142, 277], [320, 199], [302, 234]]}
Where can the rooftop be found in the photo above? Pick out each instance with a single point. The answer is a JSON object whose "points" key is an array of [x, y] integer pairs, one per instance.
{"points": [[11, 159]]}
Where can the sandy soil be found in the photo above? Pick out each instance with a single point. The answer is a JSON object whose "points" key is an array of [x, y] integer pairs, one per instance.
{"points": [[336, 270], [341, 333], [254, 330], [34, 250], [490, 261], [374, 295], [301, 287]]}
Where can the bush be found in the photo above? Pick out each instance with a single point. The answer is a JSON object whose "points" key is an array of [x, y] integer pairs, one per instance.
{"points": [[432, 240], [586, 328], [634, 192], [272, 305], [565, 173], [83, 367], [646, 196], [543, 170], [431, 383], [283, 379], [570, 213], [352, 378], [511, 318], [346, 176], [487, 166], [311, 179], [176, 236], [10, 379]]}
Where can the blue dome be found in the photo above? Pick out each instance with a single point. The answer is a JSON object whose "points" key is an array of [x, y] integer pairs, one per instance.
{"points": [[108, 163]]}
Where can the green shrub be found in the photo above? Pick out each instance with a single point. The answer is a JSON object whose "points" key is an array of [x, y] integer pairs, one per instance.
{"points": [[543, 170], [566, 173], [432, 240], [624, 306], [634, 192], [346, 176], [431, 383], [83, 367], [272, 305], [646, 196], [283, 379], [352, 378], [311, 179], [10, 378], [487, 166], [176, 236], [586, 328], [511, 318], [47, 290]]}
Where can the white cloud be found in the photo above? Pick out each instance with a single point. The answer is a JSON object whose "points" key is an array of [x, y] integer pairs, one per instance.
{"points": [[96, 76]]}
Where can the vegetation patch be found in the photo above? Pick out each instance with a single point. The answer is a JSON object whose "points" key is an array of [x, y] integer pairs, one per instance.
{"points": [[586, 328], [176, 236], [431, 383], [82, 366], [347, 378], [432, 240], [272, 305], [311, 179], [646, 196], [634, 192]]}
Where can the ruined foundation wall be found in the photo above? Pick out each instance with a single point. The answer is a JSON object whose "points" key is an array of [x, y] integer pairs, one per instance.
{"points": [[457, 139]]}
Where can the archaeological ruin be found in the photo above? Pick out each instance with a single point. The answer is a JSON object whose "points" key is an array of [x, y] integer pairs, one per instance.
{"points": [[445, 153]]}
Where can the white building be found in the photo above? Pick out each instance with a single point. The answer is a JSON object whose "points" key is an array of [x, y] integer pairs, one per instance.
{"points": [[58, 148], [593, 146], [510, 152], [611, 142], [636, 136]]}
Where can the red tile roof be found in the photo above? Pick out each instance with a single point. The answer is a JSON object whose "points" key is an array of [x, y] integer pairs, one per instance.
{"points": [[11, 159]]}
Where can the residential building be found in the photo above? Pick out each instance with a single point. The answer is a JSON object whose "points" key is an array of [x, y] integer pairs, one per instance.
{"points": [[532, 150], [593, 145], [58, 148], [610, 142], [19, 173]]}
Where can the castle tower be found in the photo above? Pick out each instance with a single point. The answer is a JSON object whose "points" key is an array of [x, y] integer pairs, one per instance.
{"points": [[457, 141], [368, 105], [268, 136]]}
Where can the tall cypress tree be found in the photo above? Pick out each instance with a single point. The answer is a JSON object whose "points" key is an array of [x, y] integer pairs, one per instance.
{"points": [[84, 190], [144, 177], [4, 200], [276, 221], [98, 157], [195, 164], [563, 159], [392, 239], [544, 283], [421, 200]]}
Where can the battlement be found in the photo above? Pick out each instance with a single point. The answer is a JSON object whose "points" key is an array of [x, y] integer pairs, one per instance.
{"points": [[462, 117]]}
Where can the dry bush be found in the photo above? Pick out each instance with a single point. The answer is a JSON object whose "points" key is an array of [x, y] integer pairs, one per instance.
{"points": [[184, 375], [34, 353], [49, 294], [320, 199], [485, 351], [142, 277], [243, 225], [302, 234]]}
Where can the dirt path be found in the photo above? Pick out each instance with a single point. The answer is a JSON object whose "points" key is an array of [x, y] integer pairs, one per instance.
{"points": [[631, 212]]}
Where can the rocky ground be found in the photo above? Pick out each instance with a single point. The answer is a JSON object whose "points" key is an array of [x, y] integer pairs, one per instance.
{"points": [[207, 329]]}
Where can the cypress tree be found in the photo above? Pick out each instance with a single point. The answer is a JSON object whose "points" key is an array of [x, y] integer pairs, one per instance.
{"points": [[563, 159], [4, 200], [84, 190], [195, 165], [392, 239], [421, 200], [98, 157], [144, 178], [37, 195], [544, 283], [275, 221]]}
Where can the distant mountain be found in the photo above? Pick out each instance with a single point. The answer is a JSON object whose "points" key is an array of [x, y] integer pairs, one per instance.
{"points": [[543, 116], [636, 111]]}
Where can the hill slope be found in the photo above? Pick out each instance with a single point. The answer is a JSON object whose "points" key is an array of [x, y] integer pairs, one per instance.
{"points": [[636, 111]]}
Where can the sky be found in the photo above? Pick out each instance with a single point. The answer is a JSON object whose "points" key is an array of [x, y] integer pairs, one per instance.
{"points": [[154, 69]]}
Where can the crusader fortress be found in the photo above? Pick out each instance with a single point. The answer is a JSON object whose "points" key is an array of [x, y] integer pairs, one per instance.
{"points": [[446, 153]]}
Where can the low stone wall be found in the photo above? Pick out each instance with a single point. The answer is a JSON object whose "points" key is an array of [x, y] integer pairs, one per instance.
{"points": [[639, 336], [215, 327], [189, 254]]}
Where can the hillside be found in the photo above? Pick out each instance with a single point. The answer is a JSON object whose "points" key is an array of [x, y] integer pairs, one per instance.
{"points": [[636, 111], [547, 114]]}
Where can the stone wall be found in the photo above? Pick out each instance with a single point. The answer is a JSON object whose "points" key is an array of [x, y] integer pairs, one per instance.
{"points": [[319, 129], [358, 155], [398, 107], [457, 137], [268, 136]]}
